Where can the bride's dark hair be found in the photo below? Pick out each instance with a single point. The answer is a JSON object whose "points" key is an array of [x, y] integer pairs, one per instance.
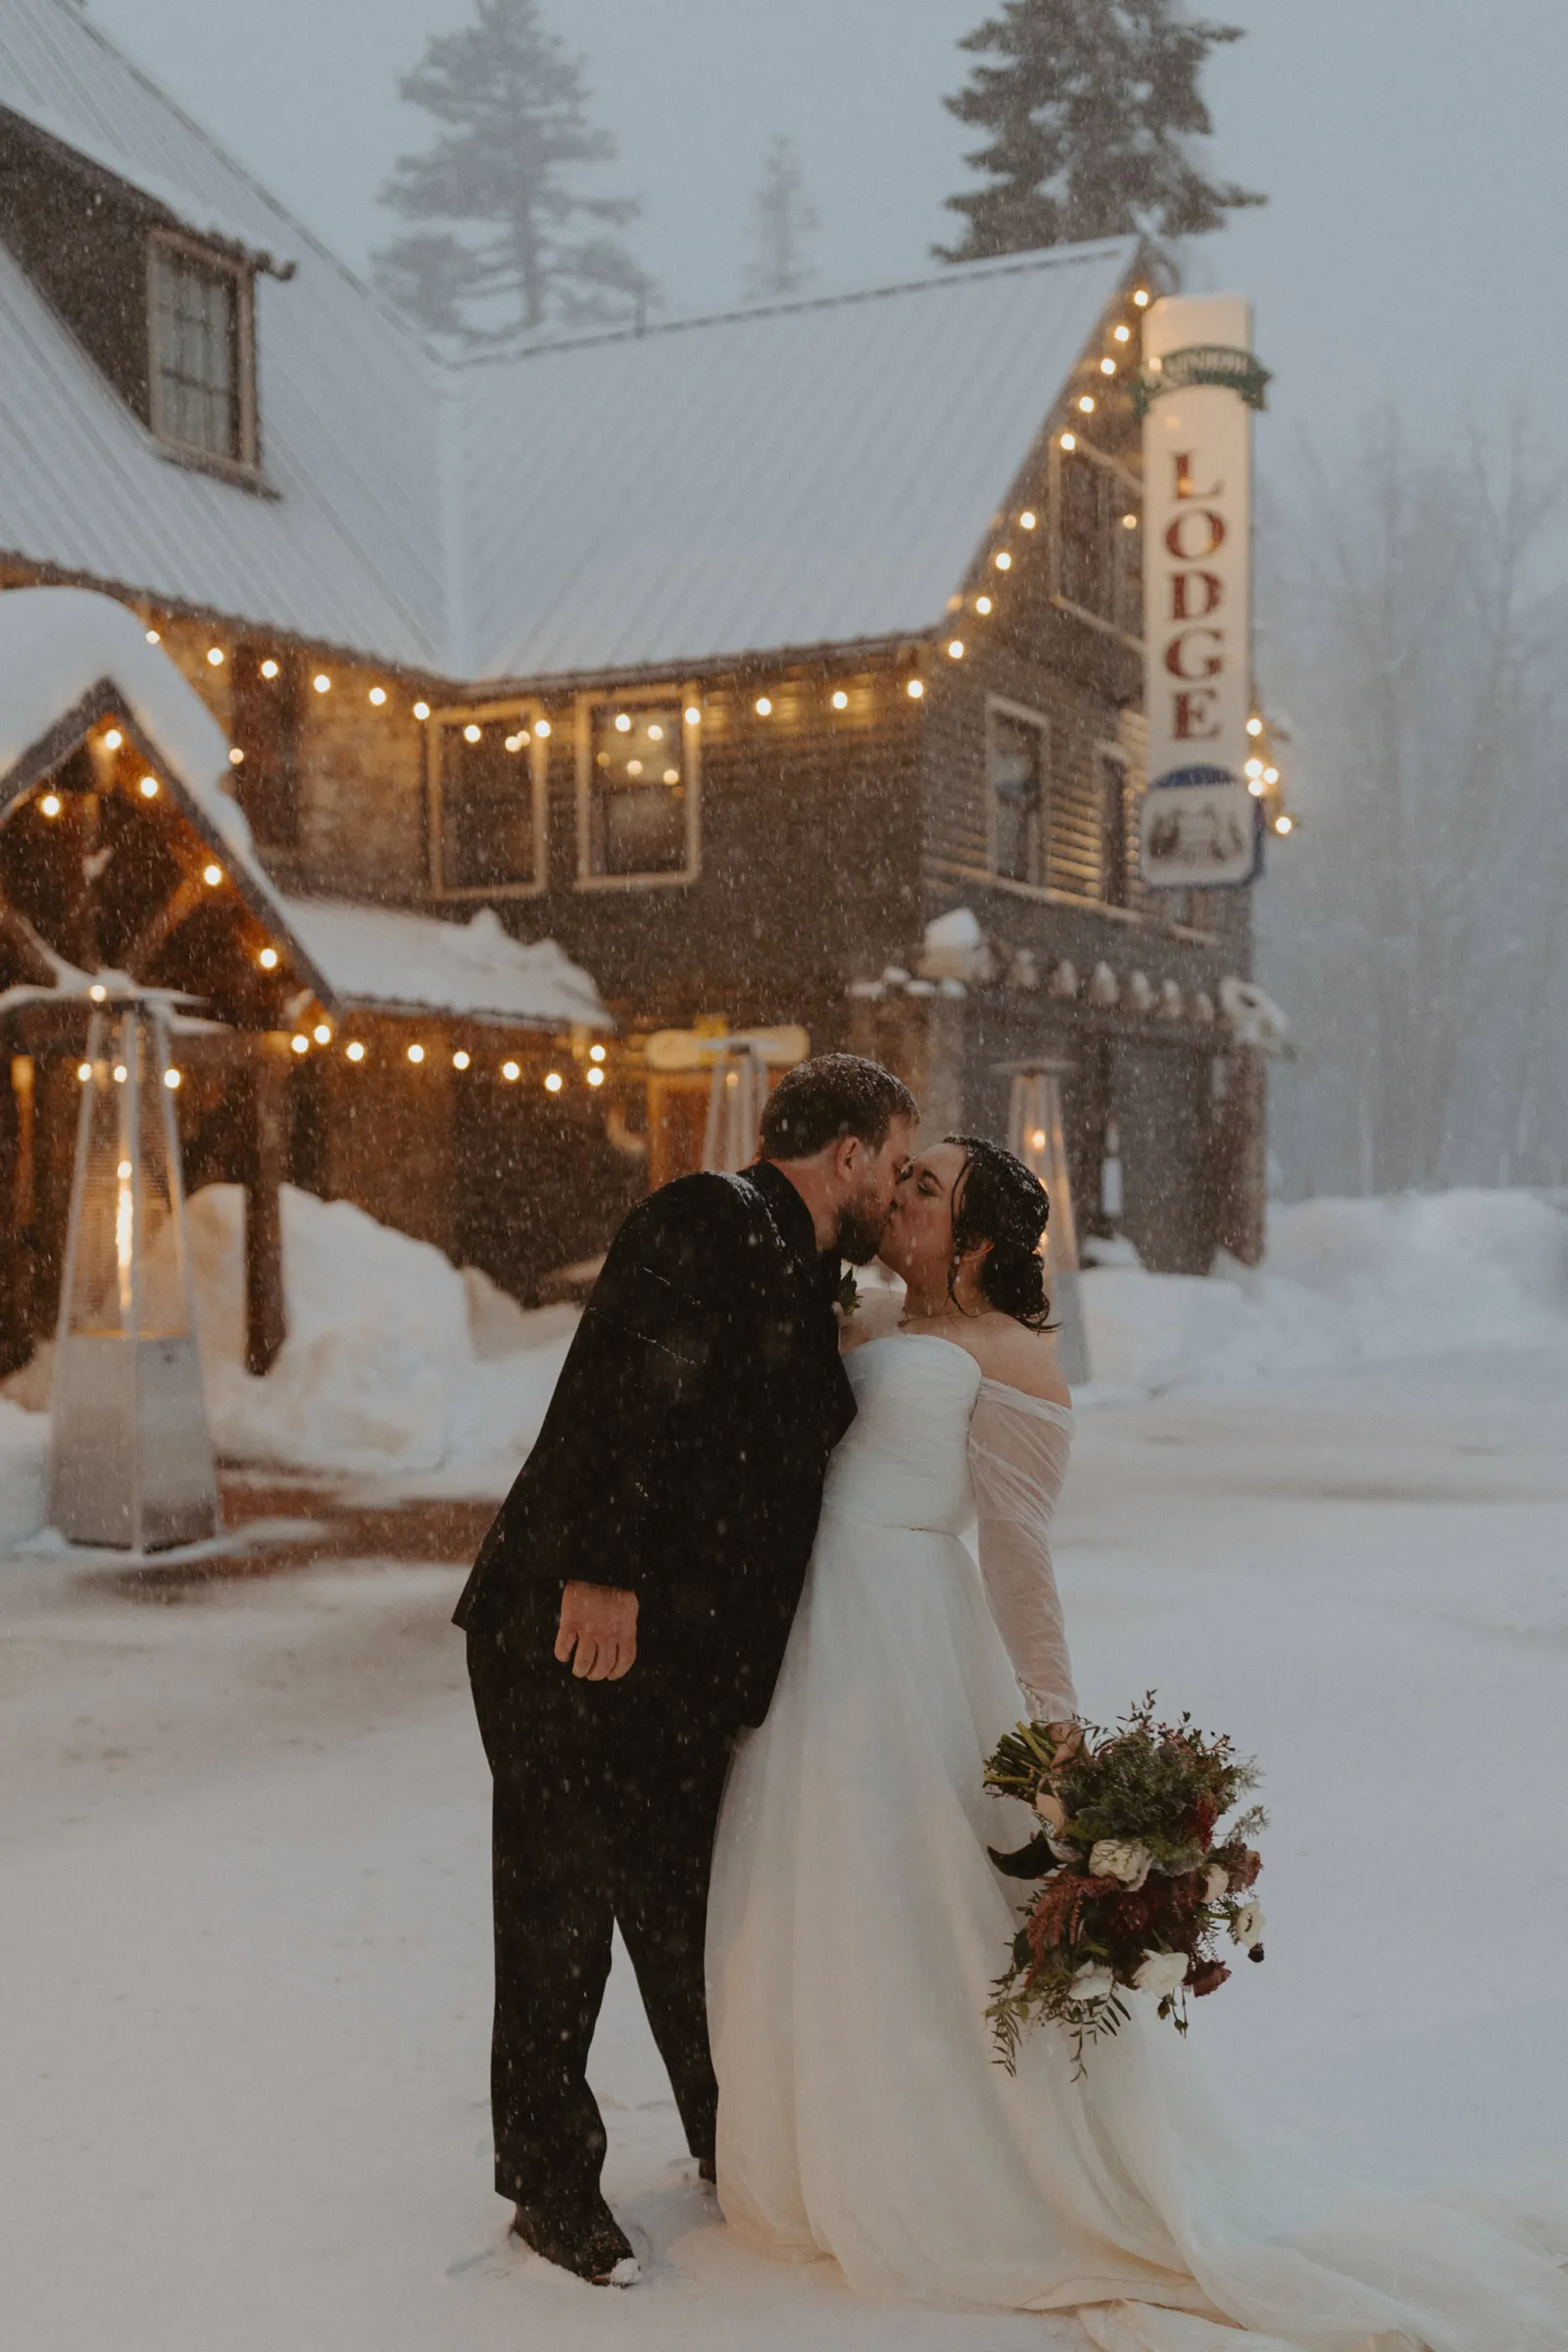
{"points": [[998, 1200]]}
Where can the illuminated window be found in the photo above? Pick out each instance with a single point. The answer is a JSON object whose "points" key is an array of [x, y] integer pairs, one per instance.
{"points": [[489, 804], [1017, 773], [200, 314], [638, 813]]}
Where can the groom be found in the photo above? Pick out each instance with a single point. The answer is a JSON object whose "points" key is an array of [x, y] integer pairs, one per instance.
{"points": [[629, 1608]]}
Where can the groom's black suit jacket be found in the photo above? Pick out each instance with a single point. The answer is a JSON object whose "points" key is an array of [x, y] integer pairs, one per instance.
{"points": [[685, 1449]]}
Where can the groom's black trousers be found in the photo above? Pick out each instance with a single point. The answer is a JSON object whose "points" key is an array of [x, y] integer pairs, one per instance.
{"points": [[606, 1798]]}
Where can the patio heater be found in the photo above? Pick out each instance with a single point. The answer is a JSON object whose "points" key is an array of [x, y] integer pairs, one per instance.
{"points": [[132, 1462], [1035, 1133]]}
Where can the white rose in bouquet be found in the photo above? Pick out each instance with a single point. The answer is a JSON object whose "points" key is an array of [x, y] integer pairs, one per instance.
{"points": [[1247, 1925], [1162, 1973], [1117, 1858], [1093, 1984]]}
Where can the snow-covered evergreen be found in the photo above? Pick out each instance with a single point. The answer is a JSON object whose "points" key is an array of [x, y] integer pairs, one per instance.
{"points": [[526, 248], [1087, 114], [783, 221]]}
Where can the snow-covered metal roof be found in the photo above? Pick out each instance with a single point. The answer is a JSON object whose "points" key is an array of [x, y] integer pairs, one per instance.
{"points": [[816, 473], [377, 959]]}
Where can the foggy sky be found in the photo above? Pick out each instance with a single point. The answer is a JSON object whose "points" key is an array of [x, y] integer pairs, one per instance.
{"points": [[1413, 151]]}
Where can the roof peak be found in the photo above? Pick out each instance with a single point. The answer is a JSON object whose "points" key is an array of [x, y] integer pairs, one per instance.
{"points": [[1039, 262]]}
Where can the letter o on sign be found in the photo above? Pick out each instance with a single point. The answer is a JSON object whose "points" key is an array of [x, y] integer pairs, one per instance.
{"points": [[1209, 528]]}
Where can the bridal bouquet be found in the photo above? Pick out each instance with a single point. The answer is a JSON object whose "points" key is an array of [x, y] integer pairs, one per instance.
{"points": [[1139, 1875]]}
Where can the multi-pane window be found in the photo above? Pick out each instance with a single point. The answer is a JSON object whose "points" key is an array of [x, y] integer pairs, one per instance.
{"points": [[638, 807], [1019, 787], [488, 786], [200, 352], [1099, 540]]}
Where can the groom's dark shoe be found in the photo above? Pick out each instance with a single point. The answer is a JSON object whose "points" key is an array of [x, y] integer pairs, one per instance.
{"points": [[586, 2240]]}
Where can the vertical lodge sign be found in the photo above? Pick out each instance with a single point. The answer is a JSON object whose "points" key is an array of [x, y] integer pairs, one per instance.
{"points": [[1202, 830]]}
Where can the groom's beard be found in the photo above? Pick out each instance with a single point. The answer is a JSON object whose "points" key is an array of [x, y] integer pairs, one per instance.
{"points": [[860, 1231]]}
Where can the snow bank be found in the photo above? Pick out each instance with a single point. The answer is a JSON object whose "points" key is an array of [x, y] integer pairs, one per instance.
{"points": [[1345, 1281], [23, 1473]]}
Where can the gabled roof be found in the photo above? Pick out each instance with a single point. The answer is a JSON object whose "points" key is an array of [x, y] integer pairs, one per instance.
{"points": [[815, 474], [71, 658]]}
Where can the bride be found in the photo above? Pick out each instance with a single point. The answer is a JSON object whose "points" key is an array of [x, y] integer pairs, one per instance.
{"points": [[856, 1923]]}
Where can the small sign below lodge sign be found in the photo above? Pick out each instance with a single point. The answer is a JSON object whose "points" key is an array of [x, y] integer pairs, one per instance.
{"points": [[1201, 828]]}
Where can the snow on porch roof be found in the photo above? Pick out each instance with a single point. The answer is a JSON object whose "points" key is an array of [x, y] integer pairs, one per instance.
{"points": [[814, 473], [380, 960]]}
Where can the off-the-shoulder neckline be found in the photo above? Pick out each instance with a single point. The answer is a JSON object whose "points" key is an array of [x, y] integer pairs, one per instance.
{"points": [[1046, 1406]]}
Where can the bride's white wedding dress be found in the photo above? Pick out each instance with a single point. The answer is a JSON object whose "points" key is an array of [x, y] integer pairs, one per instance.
{"points": [[857, 1924]]}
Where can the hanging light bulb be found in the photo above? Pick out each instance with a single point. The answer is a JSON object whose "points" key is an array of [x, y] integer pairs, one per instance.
{"points": [[1284, 823], [321, 683], [378, 696], [1002, 560], [215, 654], [1069, 441], [211, 875], [1107, 366], [355, 1050], [596, 1076], [153, 637], [322, 1034], [148, 788], [1028, 519], [510, 1072], [622, 724], [956, 649], [541, 728], [421, 710], [554, 1082], [1255, 726], [693, 716], [51, 804], [1086, 403], [1142, 298], [300, 1042], [171, 1081], [471, 733], [268, 959], [916, 689], [113, 740], [415, 1053], [460, 1059], [1123, 335], [597, 1053], [270, 668], [84, 1071]]}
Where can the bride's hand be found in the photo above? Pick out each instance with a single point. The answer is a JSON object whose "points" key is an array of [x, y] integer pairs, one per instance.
{"points": [[1066, 1742], [599, 1622]]}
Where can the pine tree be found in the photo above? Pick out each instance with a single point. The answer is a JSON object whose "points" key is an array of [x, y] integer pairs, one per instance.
{"points": [[783, 220], [1089, 114], [512, 107]]}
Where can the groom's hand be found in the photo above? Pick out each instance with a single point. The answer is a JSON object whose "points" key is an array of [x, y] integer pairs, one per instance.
{"points": [[598, 1637]]}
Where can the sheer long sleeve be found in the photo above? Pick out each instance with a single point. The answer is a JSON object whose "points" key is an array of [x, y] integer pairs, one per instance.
{"points": [[1018, 1449]]}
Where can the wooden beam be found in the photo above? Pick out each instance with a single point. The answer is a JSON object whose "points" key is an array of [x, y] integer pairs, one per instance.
{"points": [[266, 1316]]}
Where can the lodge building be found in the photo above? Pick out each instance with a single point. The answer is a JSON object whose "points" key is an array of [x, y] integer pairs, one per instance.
{"points": [[779, 668]]}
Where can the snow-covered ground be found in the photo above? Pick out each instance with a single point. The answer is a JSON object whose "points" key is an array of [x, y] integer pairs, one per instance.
{"points": [[244, 1936]]}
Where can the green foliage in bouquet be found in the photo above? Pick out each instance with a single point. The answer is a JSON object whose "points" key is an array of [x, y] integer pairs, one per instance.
{"points": [[1138, 1872]]}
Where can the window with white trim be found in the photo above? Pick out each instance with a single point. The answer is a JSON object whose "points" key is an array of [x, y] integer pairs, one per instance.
{"points": [[487, 788], [638, 784], [203, 396], [1018, 790]]}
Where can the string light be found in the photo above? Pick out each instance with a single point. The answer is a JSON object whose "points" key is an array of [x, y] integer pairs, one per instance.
{"points": [[98, 991], [421, 710], [84, 1071], [171, 1081], [1027, 520], [511, 1072], [514, 743], [121, 1073], [1284, 824], [1142, 298], [541, 728], [211, 875], [1254, 726], [1271, 775], [1107, 366], [597, 1053], [1123, 335], [596, 1077], [1069, 441], [321, 683], [1003, 562], [1036, 1142], [51, 804], [322, 1034], [124, 1171], [554, 1082], [148, 788], [215, 654], [622, 724], [1255, 786], [300, 1044], [471, 733], [153, 637], [113, 740], [1086, 403], [982, 604], [915, 689], [956, 649], [378, 696], [236, 758], [355, 1050], [270, 670], [841, 701], [415, 1054], [460, 1059], [693, 716], [1129, 522], [268, 959], [765, 708], [1254, 768]]}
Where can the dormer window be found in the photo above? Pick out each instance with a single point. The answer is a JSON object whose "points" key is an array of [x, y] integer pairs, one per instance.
{"points": [[203, 399]]}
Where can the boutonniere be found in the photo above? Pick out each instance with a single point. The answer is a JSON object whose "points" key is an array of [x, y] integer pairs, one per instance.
{"points": [[846, 1298]]}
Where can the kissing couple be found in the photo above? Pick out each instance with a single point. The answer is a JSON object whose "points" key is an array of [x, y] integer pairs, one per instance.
{"points": [[737, 1676]]}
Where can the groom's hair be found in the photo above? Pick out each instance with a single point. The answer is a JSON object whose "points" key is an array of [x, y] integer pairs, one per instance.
{"points": [[819, 1102]]}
